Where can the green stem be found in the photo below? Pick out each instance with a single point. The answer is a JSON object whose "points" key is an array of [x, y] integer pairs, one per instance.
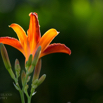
{"points": [[20, 91], [29, 99], [22, 96]]}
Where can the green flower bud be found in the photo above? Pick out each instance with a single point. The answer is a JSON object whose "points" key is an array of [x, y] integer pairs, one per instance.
{"points": [[35, 82], [28, 63], [35, 60], [37, 70], [17, 68], [36, 57], [42, 78], [23, 75], [5, 56], [6, 60]]}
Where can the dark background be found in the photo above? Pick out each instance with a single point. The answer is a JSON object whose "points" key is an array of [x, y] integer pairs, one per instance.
{"points": [[77, 78]]}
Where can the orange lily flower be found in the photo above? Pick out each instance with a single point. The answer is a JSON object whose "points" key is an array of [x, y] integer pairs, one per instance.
{"points": [[28, 44]]}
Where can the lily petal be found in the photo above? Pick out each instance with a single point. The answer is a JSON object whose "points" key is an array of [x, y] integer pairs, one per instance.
{"points": [[56, 48], [33, 31], [20, 33], [22, 37], [47, 38], [12, 42]]}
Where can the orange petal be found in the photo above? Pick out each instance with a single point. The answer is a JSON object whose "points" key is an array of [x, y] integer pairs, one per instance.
{"points": [[12, 42], [47, 38], [20, 33], [22, 37], [56, 48], [33, 31]]}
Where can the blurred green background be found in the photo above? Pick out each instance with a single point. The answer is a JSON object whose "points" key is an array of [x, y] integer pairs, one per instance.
{"points": [[77, 78]]}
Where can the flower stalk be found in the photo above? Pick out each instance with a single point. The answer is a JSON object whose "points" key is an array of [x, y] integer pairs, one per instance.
{"points": [[30, 67]]}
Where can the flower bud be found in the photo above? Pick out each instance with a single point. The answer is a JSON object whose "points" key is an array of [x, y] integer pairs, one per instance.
{"points": [[23, 75], [28, 63], [36, 57], [42, 78], [17, 68], [35, 60], [5, 56], [37, 70], [6, 60]]}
